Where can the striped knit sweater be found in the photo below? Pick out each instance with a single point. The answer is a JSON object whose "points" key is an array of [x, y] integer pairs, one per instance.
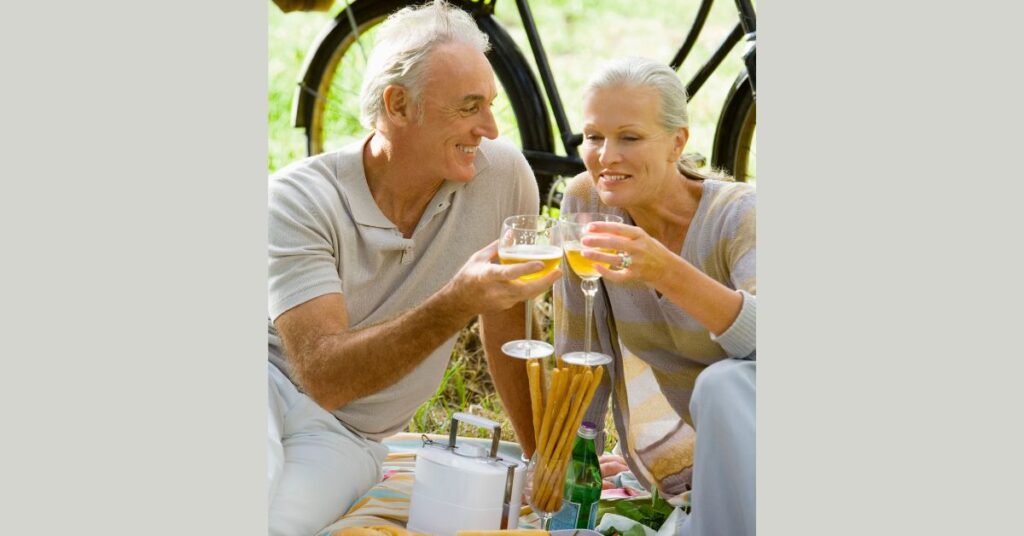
{"points": [[658, 348]]}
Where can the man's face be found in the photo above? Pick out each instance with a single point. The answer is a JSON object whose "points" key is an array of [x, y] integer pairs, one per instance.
{"points": [[455, 103]]}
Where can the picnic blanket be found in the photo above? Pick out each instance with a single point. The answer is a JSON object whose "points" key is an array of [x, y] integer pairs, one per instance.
{"points": [[387, 503]]}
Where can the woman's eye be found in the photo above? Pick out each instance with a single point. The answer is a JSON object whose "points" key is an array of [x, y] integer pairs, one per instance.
{"points": [[592, 137], [630, 138]]}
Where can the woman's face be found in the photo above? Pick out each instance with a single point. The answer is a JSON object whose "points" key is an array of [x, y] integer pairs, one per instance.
{"points": [[629, 155]]}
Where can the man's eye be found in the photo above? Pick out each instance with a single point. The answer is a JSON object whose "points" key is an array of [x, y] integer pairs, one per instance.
{"points": [[592, 137], [471, 110], [630, 138]]}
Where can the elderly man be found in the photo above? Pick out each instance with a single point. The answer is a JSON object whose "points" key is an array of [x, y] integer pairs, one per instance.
{"points": [[369, 278]]}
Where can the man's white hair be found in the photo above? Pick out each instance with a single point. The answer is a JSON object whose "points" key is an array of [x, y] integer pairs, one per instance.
{"points": [[404, 41]]}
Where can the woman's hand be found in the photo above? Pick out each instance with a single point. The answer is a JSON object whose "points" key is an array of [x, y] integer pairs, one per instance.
{"points": [[611, 465], [650, 259]]}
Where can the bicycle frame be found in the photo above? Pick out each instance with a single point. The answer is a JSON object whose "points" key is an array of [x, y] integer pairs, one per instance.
{"points": [[542, 156], [571, 163]]}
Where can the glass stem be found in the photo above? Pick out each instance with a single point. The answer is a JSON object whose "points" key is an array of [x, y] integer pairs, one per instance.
{"points": [[589, 287], [529, 326]]}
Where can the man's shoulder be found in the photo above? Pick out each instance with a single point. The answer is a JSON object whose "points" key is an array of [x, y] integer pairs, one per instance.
{"points": [[500, 148], [580, 195], [318, 175], [502, 156]]}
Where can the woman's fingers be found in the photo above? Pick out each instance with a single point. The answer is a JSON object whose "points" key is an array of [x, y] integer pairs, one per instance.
{"points": [[609, 241], [612, 259], [629, 231]]}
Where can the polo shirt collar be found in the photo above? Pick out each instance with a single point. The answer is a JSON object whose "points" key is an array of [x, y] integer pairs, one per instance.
{"points": [[352, 175]]}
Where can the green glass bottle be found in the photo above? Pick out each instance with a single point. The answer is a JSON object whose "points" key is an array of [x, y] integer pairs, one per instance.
{"points": [[582, 484]]}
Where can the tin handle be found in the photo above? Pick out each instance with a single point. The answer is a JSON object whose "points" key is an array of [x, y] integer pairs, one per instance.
{"points": [[480, 422]]}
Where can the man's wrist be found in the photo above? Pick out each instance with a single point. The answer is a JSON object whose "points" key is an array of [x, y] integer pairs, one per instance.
{"points": [[454, 303]]}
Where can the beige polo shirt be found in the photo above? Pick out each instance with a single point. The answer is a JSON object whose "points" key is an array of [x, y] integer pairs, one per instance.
{"points": [[327, 235]]}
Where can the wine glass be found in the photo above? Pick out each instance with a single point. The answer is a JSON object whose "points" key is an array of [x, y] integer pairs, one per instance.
{"points": [[572, 230], [525, 238], [543, 487]]}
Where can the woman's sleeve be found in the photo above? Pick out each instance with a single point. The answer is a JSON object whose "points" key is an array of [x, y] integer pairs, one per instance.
{"points": [[740, 339]]}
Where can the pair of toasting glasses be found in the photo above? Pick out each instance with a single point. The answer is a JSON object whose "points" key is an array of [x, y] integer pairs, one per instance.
{"points": [[526, 238]]}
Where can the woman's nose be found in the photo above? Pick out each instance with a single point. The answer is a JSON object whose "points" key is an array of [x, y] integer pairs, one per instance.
{"points": [[607, 154]]}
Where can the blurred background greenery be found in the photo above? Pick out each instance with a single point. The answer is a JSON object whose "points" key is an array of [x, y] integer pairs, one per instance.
{"points": [[577, 36]]}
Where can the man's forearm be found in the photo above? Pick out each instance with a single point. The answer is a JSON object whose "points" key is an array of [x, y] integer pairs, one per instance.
{"points": [[509, 373], [348, 366]]}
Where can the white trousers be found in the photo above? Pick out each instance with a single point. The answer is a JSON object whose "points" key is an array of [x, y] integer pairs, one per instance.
{"points": [[317, 468], [723, 411]]}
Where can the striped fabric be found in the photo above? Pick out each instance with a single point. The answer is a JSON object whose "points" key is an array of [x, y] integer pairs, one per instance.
{"points": [[658, 348]]}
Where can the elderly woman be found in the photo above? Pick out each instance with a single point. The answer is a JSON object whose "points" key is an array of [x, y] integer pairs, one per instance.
{"points": [[678, 307]]}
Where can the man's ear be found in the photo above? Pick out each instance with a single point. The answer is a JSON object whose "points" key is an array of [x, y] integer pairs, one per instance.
{"points": [[397, 105]]}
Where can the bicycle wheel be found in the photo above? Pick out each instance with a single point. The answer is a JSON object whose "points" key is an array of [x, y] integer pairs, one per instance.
{"points": [[327, 102], [735, 148]]}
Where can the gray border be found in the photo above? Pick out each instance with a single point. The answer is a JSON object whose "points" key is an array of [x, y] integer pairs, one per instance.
{"points": [[889, 268], [134, 230], [133, 279]]}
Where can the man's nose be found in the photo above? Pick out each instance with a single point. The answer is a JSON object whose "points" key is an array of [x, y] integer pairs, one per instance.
{"points": [[487, 127]]}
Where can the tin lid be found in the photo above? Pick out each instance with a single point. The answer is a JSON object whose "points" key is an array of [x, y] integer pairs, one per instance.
{"points": [[469, 458]]}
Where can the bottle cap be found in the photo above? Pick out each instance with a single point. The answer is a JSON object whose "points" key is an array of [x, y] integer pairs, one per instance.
{"points": [[588, 430]]}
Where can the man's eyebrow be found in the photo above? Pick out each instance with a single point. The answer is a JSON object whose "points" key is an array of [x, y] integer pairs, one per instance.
{"points": [[476, 97]]}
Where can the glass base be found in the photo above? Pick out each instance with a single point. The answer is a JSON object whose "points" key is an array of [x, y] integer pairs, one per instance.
{"points": [[589, 359], [524, 349]]}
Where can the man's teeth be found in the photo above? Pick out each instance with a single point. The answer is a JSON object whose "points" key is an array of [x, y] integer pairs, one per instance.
{"points": [[614, 178], [468, 148]]}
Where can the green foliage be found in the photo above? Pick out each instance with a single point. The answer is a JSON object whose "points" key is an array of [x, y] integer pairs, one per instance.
{"points": [[651, 512], [635, 530], [577, 36]]}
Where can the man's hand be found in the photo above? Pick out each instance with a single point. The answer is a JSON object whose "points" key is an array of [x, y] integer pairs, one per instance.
{"points": [[482, 286]]}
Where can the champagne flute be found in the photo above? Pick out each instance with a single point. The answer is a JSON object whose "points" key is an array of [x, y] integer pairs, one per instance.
{"points": [[572, 230], [525, 238], [543, 488]]}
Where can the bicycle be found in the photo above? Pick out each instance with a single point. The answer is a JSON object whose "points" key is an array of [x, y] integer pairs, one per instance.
{"points": [[326, 98]]}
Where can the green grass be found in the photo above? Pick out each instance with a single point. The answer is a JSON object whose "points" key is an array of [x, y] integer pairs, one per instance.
{"points": [[577, 35]]}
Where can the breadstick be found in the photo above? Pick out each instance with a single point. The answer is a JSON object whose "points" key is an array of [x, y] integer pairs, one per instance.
{"points": [[561, 456], [536, 402], [562, 410], [549, 409], [558, 380], [559, 391], [548, 484]]}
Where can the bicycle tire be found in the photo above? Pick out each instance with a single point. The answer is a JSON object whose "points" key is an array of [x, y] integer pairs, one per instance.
{"points": [[735, 136], [321, 76]]}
